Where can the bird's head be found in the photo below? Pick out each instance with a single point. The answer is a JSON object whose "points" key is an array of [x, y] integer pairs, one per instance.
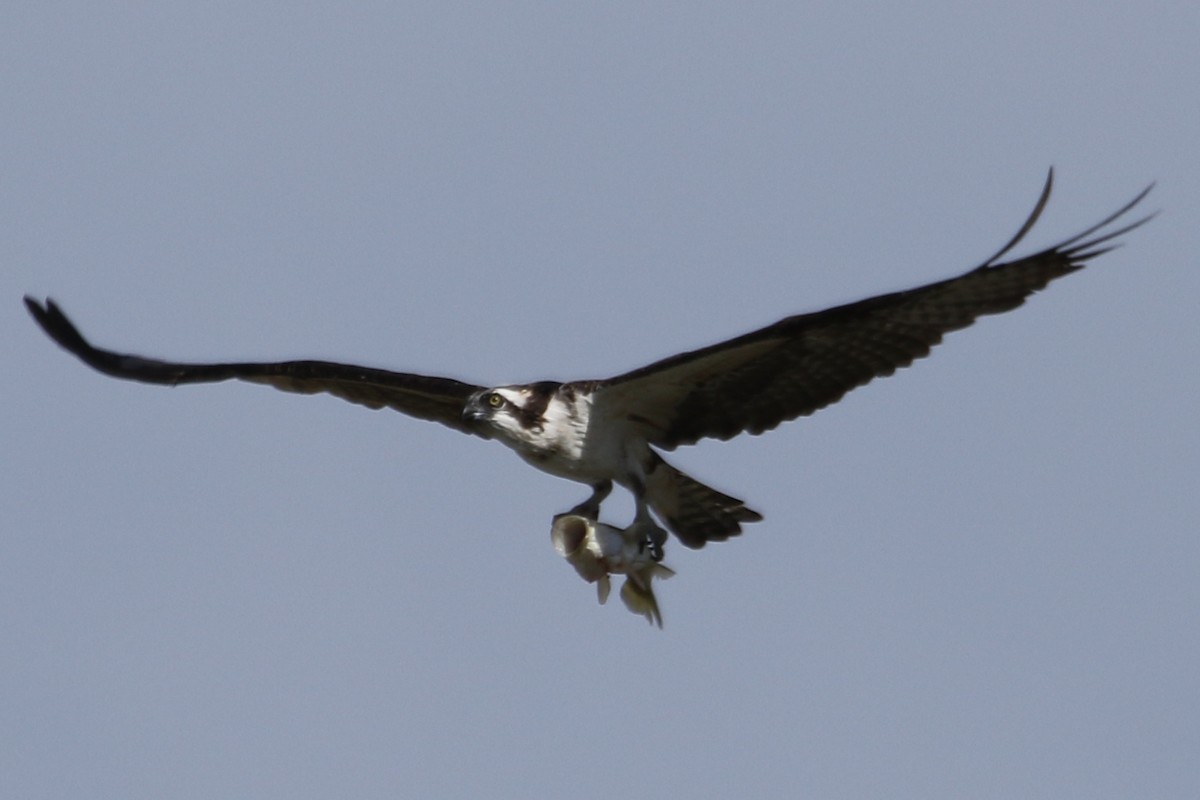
{"points": [[507, 412]]}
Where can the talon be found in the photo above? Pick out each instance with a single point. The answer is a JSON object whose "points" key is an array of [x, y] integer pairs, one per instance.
{"points": [[656, 537], [656, 551], [649, 544]]}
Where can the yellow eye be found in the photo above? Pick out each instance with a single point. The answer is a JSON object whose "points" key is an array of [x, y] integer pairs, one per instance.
{"points": [[495, 400]]}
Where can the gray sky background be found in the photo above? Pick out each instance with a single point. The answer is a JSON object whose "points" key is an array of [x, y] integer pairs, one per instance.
{"points": [[977, 578]]}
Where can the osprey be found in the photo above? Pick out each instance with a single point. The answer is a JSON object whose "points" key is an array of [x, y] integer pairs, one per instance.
{"points": [[601, 432]]}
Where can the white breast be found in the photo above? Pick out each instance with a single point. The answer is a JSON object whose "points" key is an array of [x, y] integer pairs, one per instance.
{"points": [[576, 443]]}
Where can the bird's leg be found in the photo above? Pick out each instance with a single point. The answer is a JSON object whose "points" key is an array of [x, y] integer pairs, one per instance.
{"points": [[655, 536], [590, 508]]}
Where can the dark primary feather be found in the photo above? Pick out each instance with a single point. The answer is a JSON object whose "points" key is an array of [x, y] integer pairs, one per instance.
{"points": [[803, 363], [437, 399]]}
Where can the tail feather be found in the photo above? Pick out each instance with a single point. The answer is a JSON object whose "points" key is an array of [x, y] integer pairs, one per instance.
{"points": [[695, 513]]}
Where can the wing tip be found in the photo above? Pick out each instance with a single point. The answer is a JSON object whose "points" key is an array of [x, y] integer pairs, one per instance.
{"points": [[56, 325], [1078, 248], [37, 309]]}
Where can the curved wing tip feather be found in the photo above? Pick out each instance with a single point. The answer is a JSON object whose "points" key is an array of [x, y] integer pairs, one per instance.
{"points": [[54, 322], [1040, 206], [41, 312], [35, 307], [46, 313]]}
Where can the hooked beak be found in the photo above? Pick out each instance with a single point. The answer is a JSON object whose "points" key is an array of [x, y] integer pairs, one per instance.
{"points": [[473, 415]]}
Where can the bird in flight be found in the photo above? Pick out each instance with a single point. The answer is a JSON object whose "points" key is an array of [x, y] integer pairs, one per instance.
{"points": [[601, 432]]}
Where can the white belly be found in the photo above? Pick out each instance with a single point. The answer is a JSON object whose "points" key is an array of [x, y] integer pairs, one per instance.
{"points": [[592, 463], [578, 446]]}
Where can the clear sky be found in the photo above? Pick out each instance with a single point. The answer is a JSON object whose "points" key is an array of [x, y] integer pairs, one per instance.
{"points": [[978, 578]]}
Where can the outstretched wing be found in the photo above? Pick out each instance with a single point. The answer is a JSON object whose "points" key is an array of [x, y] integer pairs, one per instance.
{"points": [[438, 399], [803, 363]]}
